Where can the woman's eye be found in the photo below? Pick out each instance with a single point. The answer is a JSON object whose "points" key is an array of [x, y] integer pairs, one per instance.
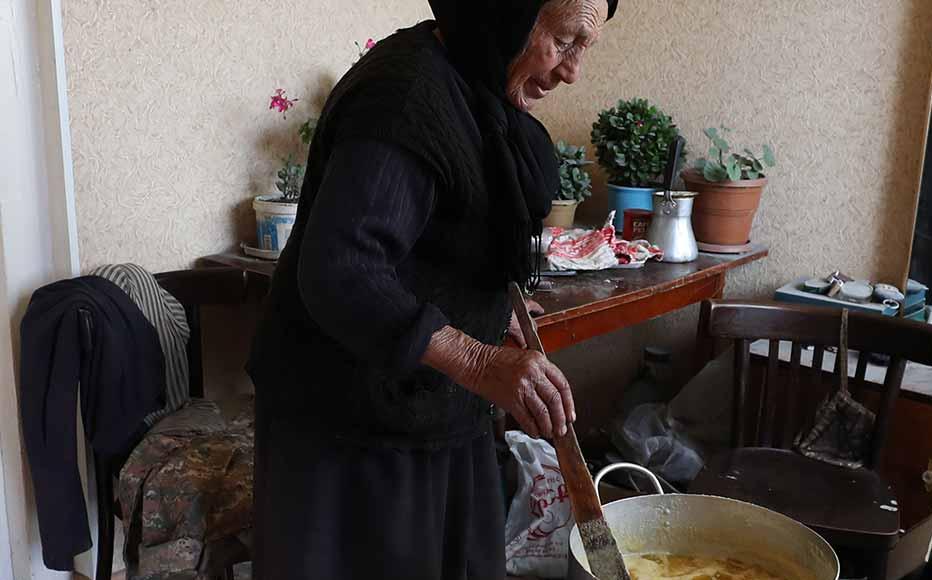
{"points": [[562, 46]]}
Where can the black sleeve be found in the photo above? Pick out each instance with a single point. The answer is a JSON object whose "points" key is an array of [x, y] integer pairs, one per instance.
{"points": [[373, 204]]}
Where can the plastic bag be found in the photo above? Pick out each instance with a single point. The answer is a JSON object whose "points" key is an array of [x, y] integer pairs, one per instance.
{"points": [[537, 530], [645, 437]]}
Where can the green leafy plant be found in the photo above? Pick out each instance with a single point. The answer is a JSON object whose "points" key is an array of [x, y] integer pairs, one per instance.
{"points": [[631, 140], [307, 130], [575, 183], [290, 180], [725, 165]]}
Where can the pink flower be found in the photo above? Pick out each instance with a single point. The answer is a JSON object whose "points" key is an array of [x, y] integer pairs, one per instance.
{"points": [[281, 102], [370, 44]]}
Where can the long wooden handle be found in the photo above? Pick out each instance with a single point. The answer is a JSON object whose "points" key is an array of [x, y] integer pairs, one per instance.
{"points": [[581, 489]]}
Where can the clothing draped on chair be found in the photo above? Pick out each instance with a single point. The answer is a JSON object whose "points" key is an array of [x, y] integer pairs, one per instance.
{"points": [[167, 315], [119, 364]]}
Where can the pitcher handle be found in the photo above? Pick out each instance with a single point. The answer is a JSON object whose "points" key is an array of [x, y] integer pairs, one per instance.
{"points": [[629, 467]]}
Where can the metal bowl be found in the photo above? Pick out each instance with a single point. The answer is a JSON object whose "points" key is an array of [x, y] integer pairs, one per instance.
{"points": [[710, 526]]}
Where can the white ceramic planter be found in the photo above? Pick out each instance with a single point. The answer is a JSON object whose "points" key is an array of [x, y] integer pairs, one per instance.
{"points": [[274, 221]]}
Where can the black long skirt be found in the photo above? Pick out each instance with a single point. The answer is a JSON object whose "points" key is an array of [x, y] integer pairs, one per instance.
{"points": [[329, 510]]}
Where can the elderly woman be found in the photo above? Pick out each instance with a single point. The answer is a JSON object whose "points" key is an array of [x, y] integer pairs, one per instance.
{"points": [[379, 356]]}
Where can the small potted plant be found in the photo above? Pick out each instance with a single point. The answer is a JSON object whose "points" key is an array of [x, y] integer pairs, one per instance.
{"points": [[575, 185], [275, 214], [631, 140], [730, 186]]}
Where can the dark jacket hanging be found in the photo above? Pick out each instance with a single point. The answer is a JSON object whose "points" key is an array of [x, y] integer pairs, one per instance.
{"points": [[121, 372]]}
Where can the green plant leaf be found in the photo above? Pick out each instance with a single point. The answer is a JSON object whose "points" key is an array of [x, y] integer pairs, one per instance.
{"points": [[714, 153], [714, 172], [769, 157], [711, 133], [700, 164], [631, 139], [307, 130], [753, 174], [733, 169]]}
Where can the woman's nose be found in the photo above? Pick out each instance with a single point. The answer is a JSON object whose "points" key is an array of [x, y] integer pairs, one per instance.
{"points": [[568, 71]]}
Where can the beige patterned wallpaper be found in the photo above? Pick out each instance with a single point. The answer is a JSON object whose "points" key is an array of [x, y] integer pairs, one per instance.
{"points": [[172, 138]]}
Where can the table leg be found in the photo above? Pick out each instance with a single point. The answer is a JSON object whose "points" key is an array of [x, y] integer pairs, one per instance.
{"points": [[720, 282], [705, 345]]}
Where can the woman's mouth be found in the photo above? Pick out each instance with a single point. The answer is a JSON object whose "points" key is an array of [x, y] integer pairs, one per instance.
{"points": [[534, 90]]}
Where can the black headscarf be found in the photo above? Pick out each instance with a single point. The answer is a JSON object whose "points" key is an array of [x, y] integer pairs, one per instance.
{"points": [[490, 157], [483, 37]]}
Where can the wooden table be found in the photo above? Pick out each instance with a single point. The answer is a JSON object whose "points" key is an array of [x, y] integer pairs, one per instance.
{"points": [[595, 303]]}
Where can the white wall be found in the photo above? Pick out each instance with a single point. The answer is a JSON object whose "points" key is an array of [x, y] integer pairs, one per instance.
{"points": [[35, 239]]}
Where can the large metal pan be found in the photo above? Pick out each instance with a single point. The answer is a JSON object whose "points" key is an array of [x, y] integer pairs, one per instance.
{"points": [[709, 526]]}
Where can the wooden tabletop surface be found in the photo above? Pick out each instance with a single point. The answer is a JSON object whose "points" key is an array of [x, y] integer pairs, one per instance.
{"points": [[594, 303], [589, 292]]}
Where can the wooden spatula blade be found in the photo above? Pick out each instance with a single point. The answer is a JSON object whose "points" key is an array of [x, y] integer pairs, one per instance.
{"points": [[605, 560]]}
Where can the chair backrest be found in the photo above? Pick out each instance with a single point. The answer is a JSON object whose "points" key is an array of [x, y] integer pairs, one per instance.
{"points": [[770, 414], [204, 287]]}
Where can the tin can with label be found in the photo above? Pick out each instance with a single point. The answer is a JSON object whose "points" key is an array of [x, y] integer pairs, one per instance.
{"points": [[637, 222]]}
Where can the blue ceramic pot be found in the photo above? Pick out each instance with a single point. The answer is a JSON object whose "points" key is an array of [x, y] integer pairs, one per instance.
{"points": [[622, 198]]}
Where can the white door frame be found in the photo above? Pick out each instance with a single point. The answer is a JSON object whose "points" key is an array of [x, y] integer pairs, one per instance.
{"points": [[38, 238]]}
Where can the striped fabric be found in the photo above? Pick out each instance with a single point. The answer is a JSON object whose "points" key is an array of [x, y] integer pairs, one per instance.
{"points": [[167, 315]]}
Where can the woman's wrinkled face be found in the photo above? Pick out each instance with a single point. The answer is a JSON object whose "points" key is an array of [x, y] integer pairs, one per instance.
{"points": [[565, 30]]}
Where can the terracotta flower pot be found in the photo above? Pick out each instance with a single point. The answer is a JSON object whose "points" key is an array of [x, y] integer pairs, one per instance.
{"points": [[562, 214], [724, 212]]}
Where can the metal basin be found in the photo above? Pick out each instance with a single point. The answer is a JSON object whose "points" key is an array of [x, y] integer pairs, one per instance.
{"points": [[710, 526]]}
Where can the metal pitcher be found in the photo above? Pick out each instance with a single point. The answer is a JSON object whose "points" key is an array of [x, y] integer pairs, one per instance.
{"points": [[671, 227]]}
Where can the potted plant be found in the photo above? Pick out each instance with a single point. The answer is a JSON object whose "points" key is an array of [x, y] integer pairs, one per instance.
{"points": [[631, 140], [730, 186], [275, 214], [575, 185]]}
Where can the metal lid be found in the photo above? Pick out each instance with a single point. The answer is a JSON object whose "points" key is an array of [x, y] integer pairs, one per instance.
{"points": [[817, 285], [857, 291]]}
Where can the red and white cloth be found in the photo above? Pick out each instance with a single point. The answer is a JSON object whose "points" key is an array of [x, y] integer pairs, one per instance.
{"points": [[581, 249]]}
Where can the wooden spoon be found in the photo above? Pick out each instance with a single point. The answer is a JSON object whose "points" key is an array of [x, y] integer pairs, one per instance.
{"points": [[605, 559]]}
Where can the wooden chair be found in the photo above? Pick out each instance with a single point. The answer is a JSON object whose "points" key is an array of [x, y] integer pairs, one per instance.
{"points": [[843, 505], [194, 289]]}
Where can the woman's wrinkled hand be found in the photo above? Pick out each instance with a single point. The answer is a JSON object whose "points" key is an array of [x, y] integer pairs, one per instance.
{"points": [[514, 327], [529, 387]]}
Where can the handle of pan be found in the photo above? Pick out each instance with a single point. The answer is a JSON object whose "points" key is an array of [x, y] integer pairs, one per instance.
{"points": [[628, 467]]}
